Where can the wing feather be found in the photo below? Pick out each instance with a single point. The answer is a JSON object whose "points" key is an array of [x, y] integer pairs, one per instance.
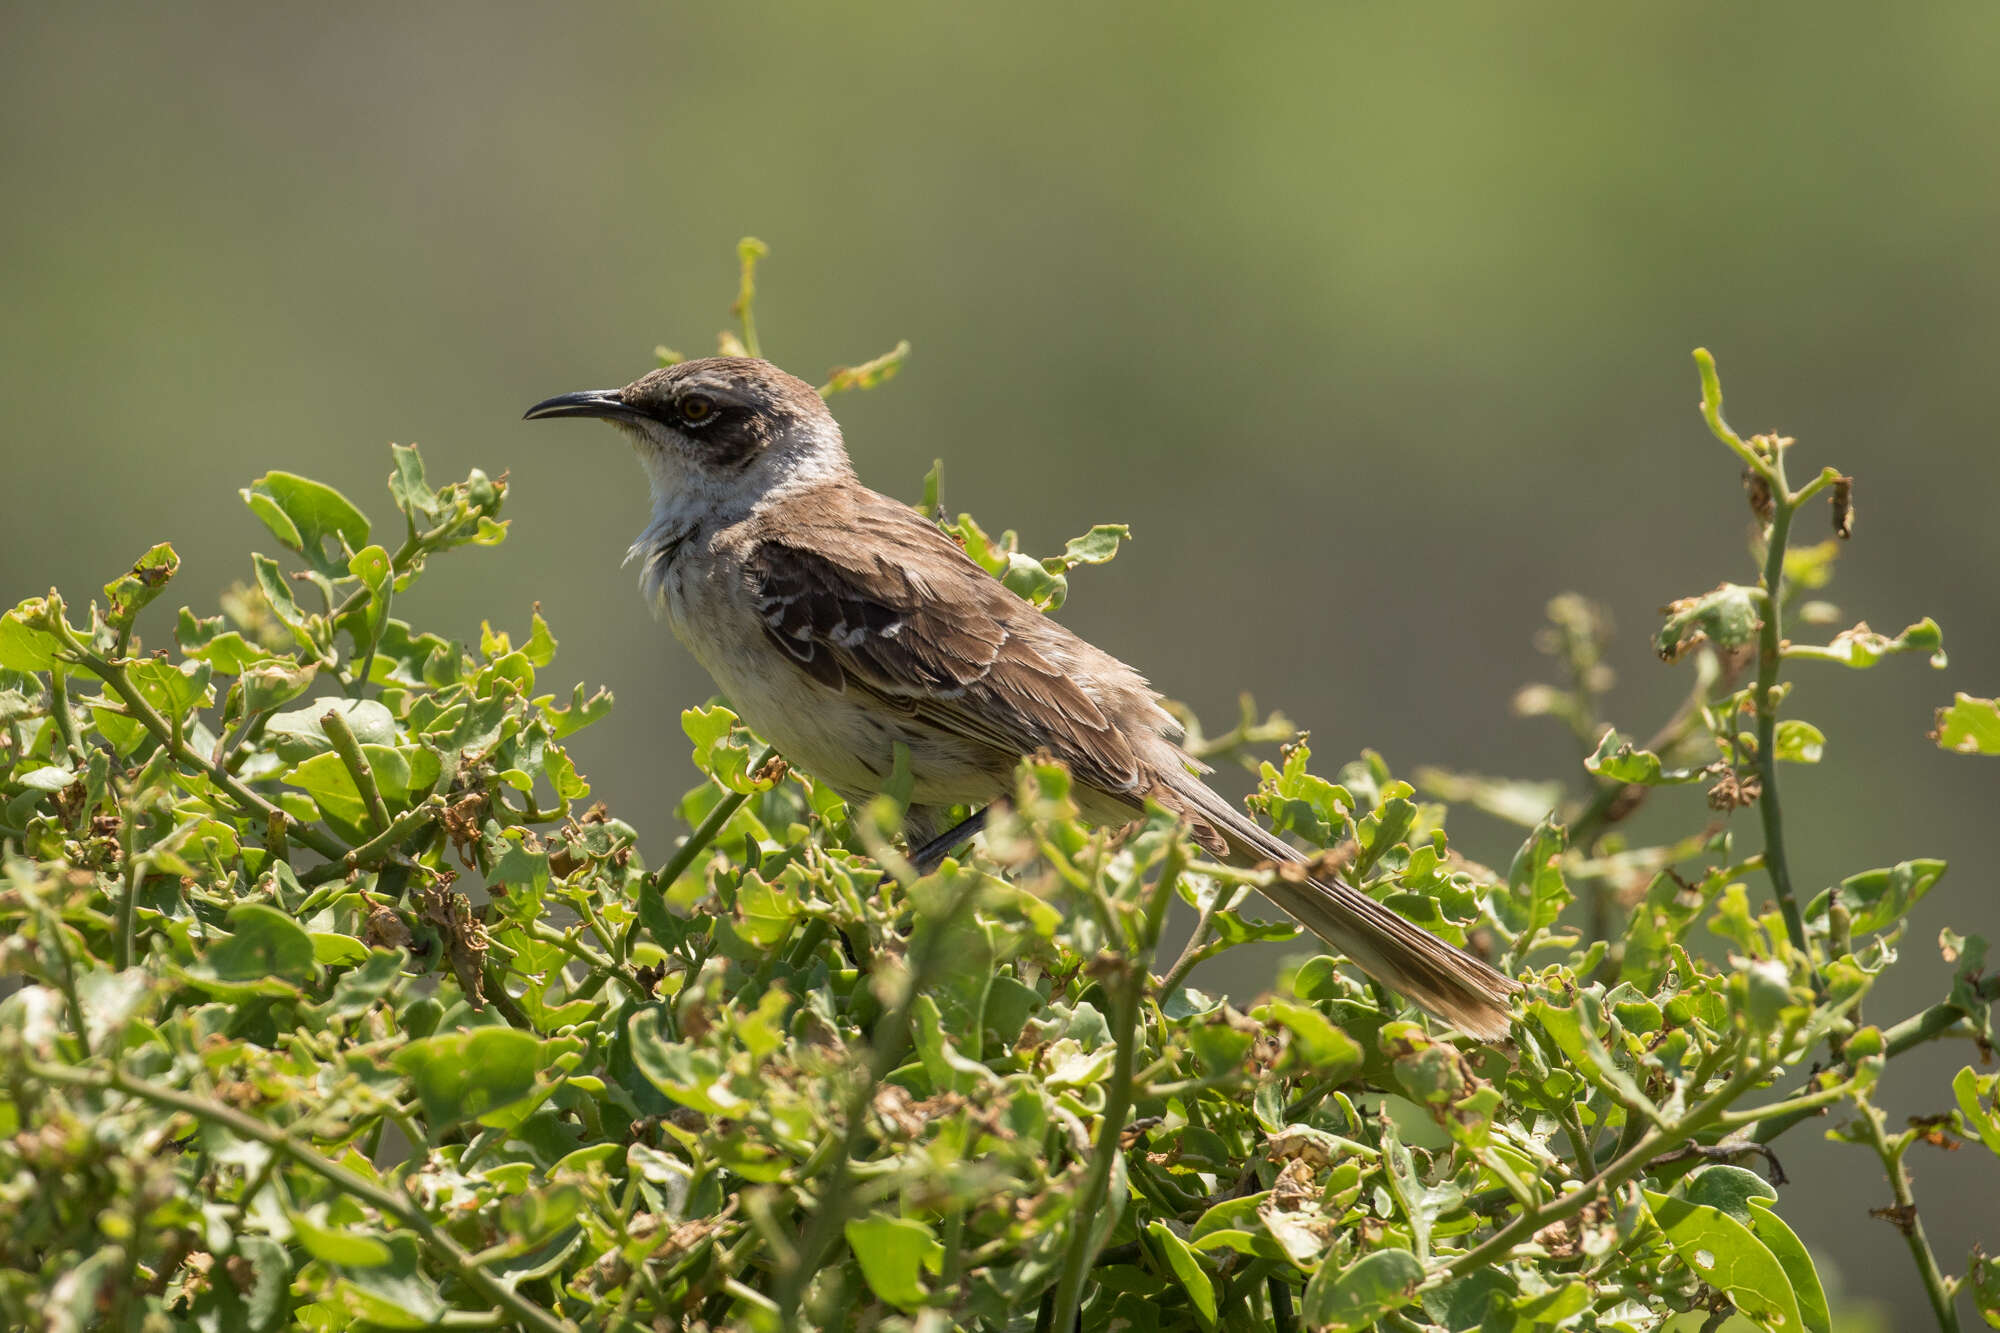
{"points": [[873, 597]]}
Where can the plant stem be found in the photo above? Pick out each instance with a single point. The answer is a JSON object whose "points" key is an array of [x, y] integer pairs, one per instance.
{"points": [[1191, 952], [1906, 1219], [357, 764], [1089, 1216], [378, 848], [599, 964], [59, 713], [1769, 659], [49, 936], [446, 1250], [128, 904], [1770, 640], [698, 841], [1934, 1022]]}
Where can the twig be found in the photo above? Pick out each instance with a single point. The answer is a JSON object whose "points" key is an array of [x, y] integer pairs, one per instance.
{"points": [[49, 931], [1905, 1217], [1087, 1217], [1934, 1022], [371, 853], [1770, 641], [710, 826], [1090, 1222], [59, 713], [1191, 952], [357, 764]]}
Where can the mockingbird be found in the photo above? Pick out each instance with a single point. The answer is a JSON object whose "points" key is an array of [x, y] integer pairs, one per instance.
{"points": [[840, 623]]}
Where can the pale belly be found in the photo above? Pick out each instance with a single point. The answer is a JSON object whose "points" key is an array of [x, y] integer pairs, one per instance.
{"points": [[847, 741]]}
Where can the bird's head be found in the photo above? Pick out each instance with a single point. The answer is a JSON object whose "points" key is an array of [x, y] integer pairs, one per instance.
{"points": [[718, 434]]}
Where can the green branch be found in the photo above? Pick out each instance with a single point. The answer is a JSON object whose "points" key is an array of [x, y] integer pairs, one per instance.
{"points": [[1904, 1215], [1630, 1163], [377, 849], [1770, 639], [1937, 1021], [114, 675], [697, 842], [358, 768]]}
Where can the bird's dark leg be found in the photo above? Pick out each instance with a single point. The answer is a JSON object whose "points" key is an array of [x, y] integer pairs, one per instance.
{"points": [[927, 857]]}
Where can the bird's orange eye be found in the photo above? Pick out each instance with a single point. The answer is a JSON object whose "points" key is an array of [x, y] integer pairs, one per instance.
{"points": [[695, 408]]}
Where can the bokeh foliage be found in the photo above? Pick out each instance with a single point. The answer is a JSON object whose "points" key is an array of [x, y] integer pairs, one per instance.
{"points": [[335, 1004]]}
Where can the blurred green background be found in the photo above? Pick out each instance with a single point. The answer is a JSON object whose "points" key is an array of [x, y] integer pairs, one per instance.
{"points": [[1372, 321]]}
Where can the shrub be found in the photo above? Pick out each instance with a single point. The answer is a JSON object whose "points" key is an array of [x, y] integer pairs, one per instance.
{"points": [[265, 1061]]}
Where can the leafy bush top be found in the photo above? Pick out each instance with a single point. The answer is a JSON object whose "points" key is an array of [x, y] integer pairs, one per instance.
{"points": [[265, 1062]]}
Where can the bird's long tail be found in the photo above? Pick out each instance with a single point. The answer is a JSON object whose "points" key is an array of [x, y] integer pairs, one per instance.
{"points": [[1396, 952]]}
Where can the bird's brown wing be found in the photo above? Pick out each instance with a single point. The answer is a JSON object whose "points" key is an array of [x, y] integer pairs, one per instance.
{"points": [[864, 593]]}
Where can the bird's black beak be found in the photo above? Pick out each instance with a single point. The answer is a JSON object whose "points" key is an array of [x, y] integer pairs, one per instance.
{"points": [[603, 403]]}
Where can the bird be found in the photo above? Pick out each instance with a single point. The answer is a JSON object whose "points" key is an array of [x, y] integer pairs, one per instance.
{"points": [[840, 623]]}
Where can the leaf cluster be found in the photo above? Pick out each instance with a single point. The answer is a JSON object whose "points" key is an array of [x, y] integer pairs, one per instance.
{"points": [[334, 1005]]}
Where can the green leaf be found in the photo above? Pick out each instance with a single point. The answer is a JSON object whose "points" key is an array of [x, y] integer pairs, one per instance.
{"points": [[721, 747], [227, 650], [395, 1294], [1423, 1204], [300, 734], [1877, 899], [1976, 1097], [24, 644], [1617, 759], [1515, 800], [407, 484], [1982, 1278], [580, 713], [1363, 1292], [263, 942], [343, 1247], [1233, 928], [1727, 1188], [1322, 1047], [868, 374], [1969, 726], [128, 594], [695, 1079], [335, 950], [175, 688], [463, 1076], [402, 774], [1728, 617], [1461, 1306], [1219, 1047], [1536, 889], [278, 680], [1096, 546], [1031, 579], [1193, 1278], [278, 597], [1790, 1252], [1728, 1256], [893, 1251], [1862, 647], [1799, 742], [303, 514]]}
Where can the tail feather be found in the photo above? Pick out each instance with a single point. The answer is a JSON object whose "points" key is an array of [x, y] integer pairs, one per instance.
{"points": [[1388, 947]]}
